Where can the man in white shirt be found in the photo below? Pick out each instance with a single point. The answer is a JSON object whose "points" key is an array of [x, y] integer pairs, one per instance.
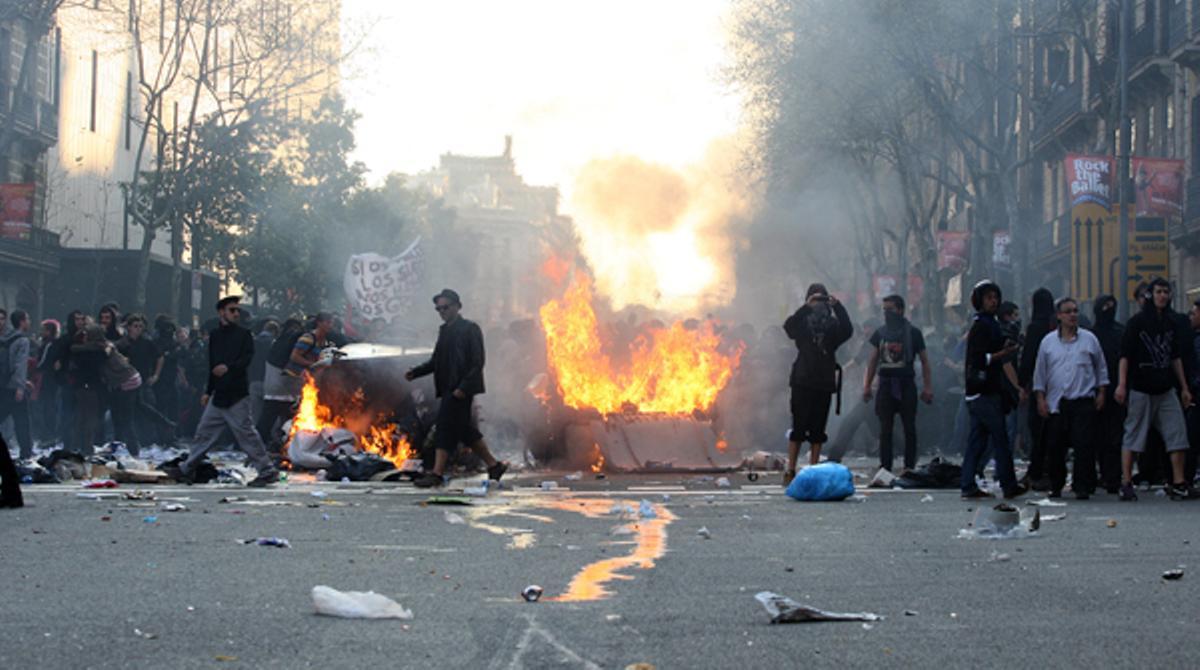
{"points": [[1069, 378]]}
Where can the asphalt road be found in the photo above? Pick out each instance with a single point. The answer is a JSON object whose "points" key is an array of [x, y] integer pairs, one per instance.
{"points": [[1079, 594]]}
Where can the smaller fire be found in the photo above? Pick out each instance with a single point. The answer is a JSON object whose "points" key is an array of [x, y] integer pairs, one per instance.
{"points": [[722, 445], [374, 435], [598, 464]]}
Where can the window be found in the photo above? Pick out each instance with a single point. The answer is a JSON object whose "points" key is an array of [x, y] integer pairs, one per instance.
{"points": [[1169, 108], [95, 73], [1141, 14], [1151, 129]]}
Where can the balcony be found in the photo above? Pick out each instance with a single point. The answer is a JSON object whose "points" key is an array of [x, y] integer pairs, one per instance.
{"points": [[1177, 25], [36, 118], [39, 252], [1141, 45], [1059, 110]]}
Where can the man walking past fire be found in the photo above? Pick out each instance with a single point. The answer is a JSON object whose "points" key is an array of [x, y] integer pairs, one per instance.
{"points": [[1070, 377], [226, 398], [457, 369], [818, 329]]}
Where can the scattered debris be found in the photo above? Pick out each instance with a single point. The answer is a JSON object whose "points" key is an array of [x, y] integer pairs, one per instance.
{"points": [[1111, 523], [998, 557], [1002, 522], [532, 593], [453, 518], [453, 501], [612, 618], [232, 499], [910, 613], [549, 486], [480, 491], [319, 494], [280, 542], [1173, 575], [646, 510], [1054, 517], [1045, 502], [883, 479], [174, 507], [99, 484], [574, 477], [222, 658], [144, 635], [723, 483], [926, 498], [139, 494], [827, 481], [704, 533], [150, 519], [356, 604], [785, 610]]}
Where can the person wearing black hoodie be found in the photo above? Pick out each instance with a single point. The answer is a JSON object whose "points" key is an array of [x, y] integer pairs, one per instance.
{"points": [[1150, 371], [896, 346], [1111, 418], [988, 362], [1041, 323], [818, 329]]}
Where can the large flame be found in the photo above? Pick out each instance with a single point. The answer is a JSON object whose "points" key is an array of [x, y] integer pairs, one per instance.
{"points": [[373, 435], [672, 370]]}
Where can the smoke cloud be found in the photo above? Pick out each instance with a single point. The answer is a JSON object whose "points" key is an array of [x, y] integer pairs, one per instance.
{"points": [[662, 237]]}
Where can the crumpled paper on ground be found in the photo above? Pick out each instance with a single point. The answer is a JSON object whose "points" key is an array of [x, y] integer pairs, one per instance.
{"points": [[785, 610], [356, 604]]}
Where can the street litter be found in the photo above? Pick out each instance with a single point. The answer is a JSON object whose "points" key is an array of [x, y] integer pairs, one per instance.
{"points": [[827, 481], [574, 477], [646, 510], [174, 507], [356, 604], [150, 519], [268, 542], [453, 518], [704, 533], [883, 479], [143, 634], [532, 593], [456, 501], [723, 483], [99, 484], [1172, 575], [480, 491], [910, 613], [926, 498], [319, 494], [1002, 522], [936, 474], [1045, 502], [1111, 523], [139, 494], [232, 499], [785, 610], [1054, 517], [549, 486], [998, 557]]}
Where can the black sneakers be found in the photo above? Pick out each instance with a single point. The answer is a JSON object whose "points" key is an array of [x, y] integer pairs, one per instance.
{"points": [[1128, 494], [976, 494], [497, 471], [429, 480], [1182, 491], [264, 478]]}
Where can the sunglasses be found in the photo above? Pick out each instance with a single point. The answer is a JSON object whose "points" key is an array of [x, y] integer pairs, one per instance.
{"points": [[1070, 311], [442, 308], [235, 310]]}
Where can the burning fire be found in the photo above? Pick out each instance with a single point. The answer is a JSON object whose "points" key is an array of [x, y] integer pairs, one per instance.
{"points": [[598, 463], [373, 437], [672, 370]]}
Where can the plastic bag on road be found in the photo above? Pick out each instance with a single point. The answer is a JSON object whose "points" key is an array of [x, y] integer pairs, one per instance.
{"points": [[827, 481], [356, 604], [785, 610]]}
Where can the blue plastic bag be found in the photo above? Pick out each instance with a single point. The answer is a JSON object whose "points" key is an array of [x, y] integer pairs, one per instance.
{"points": [[827, 481]]}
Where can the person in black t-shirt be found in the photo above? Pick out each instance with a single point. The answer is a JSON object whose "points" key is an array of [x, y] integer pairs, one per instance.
{"points": [[895, 348], [149, 424]]}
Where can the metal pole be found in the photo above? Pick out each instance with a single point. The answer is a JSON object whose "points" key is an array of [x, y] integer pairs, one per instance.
{"points": [[1123, 152]]}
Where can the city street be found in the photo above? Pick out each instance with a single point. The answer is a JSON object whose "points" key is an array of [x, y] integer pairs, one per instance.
{"points": [[93, 583]]}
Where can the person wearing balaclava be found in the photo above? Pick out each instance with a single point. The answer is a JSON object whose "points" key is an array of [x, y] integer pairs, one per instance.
{"points": [[1112, 416], [818, 328], [896, 346], [1041, 323]]}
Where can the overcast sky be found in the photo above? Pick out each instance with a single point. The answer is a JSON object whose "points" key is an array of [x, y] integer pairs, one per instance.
{"points": [[571, 80]]}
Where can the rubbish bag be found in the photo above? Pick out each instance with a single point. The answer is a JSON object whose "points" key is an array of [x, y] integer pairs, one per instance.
{"points": [[936, 474], [356, 467], [202, 473], [356, 604], [827, 481], [66, 465]]}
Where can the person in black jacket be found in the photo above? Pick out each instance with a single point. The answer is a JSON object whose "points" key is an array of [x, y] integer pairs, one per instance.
{"points": [[226, 398], [818, 329], [457, 369], [10, 479], [1111, 418], [988, 362], [1041, 323]]}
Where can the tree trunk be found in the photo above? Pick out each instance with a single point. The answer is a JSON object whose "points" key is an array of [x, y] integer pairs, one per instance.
{"points": [[177, 270], [143, 269]]}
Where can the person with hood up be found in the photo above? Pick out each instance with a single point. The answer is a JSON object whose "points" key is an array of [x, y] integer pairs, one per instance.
{"points": [[1111, 418], [896, 346], [818, 329], [1041, 323], [1150, 370], [988, 362]]}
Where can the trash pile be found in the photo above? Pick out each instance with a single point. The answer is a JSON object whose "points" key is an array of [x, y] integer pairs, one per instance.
{"points": [[1002, 522]]}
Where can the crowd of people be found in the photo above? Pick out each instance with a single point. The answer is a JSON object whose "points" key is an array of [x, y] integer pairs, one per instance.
{"points": [[1116, 399]]}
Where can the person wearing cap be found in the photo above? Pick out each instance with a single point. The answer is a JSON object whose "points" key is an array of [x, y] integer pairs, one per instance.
{"points": [[1150, 371], [226, 398], [818, 328], [457, 369], [1069, 378], [988, 362]]}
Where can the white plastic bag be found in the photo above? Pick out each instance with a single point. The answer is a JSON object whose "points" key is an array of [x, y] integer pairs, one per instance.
{"points": [[356, 604]]}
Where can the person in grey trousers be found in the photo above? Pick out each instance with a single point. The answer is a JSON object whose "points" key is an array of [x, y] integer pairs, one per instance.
{"points": [[226, 398]]}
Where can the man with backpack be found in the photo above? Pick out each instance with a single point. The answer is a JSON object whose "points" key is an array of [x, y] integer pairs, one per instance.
{"points": [[896, 346], [818, 329], [14, 371]]}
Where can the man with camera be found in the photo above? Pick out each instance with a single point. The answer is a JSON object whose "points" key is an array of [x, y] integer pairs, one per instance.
{"points": [[818, 329]]}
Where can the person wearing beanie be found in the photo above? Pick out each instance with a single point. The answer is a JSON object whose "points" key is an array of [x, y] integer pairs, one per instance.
{"points": [[818, 328]]}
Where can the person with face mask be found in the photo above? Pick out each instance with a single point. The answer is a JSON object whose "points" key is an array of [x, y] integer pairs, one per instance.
{"points": [[1111, 418], [896, 347], [1041, 323]]}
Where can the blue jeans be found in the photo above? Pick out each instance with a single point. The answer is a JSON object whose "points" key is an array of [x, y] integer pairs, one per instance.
{"points": [[988, 430]]}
